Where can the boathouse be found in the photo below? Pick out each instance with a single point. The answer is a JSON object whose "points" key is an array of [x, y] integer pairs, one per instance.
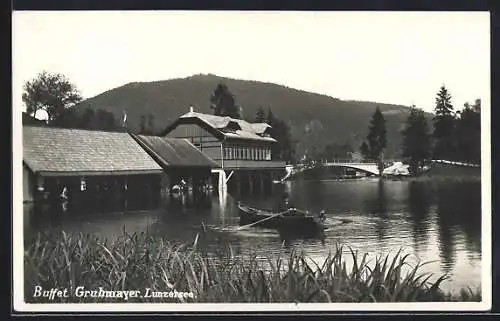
{"points": [[241, 149], [84, 165], [180, 160]]}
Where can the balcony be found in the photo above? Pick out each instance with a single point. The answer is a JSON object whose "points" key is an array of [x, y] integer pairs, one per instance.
{"points": [[252, 164]]}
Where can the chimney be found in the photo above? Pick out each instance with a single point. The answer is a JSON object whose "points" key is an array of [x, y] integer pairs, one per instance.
{"points": [[191, 109]]}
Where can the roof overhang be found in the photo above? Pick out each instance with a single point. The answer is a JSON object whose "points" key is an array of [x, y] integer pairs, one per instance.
{"points": [[164, 163], [100, 173], [238, 139], [193, 120], [214, 131]]}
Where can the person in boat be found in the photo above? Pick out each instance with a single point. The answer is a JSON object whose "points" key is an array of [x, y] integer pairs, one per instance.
{"points": [[322, 215], [183, 185], [287, 207]]}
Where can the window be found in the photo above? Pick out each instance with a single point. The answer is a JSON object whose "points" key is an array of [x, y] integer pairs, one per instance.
{"points": [[232, 127], [83, 184]]}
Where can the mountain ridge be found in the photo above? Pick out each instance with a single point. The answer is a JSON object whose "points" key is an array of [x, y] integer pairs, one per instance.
{"points": [[314, 119]]}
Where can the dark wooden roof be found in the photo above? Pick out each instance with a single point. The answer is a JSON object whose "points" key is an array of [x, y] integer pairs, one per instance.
{"points": [[174, 152], [84, 152]]}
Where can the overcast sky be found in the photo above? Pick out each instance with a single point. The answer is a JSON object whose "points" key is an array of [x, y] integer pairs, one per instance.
{"points": [[392, 57]]}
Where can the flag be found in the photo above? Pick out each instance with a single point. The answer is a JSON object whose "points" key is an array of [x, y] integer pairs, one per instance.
{"points": [[124, 118]]}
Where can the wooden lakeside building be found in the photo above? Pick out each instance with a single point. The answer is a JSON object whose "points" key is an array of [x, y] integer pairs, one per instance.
{"points": [[241, 149], [86, 167], [180, 160]]}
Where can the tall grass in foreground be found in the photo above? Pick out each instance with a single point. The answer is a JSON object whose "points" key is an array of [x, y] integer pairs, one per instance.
{"points": [[140, 261]]}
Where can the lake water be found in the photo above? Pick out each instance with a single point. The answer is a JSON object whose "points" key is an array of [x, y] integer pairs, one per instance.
{"points": [[432, 220]]}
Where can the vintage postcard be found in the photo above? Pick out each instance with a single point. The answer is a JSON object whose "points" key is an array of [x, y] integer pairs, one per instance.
{"points": [[251, 161]]}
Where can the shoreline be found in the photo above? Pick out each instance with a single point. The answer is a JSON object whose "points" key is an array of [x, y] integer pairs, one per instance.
{"points": [[140, 261]]}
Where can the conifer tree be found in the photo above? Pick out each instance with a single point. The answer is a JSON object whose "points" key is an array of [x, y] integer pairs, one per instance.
{"points": [[444, 127], [142, 125], [224, 104], [468, 133], [376, 139], [260, 117], [416, 140]]}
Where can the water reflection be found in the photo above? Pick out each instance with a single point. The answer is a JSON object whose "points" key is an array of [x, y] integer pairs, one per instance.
{"points": [[419, 204], [446, 210], [223, 206], [377, 206], [434, 220], [459, 210]]}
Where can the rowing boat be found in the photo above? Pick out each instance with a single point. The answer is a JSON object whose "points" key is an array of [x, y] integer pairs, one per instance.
{"points": [[289, 222]]}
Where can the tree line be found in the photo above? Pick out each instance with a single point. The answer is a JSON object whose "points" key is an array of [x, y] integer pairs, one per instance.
{"points": [[456, 135], [59, 98]]}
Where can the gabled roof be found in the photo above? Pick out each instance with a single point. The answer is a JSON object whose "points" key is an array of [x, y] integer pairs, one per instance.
{"points": [[174, 152], [50, 150], [260, 128], [247, 130]]}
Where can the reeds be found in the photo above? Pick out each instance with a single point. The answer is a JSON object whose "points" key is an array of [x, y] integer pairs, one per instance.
{"points": [[140, 261]]}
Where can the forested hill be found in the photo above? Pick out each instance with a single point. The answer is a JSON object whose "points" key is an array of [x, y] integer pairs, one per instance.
{"points": [[315, 120]]}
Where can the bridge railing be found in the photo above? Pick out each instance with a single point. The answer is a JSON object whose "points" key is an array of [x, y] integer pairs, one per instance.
{"points": [[358, 161], [350, 161], [387, 162], [442, 161]]}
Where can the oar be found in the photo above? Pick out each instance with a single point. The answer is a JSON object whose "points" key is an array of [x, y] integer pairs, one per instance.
{"points": [[260, 221]]}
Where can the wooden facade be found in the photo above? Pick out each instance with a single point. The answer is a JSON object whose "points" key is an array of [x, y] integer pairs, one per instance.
{"points": [[220, 150], [237, 146], [28, 185], [83, 169], [180, 160], [89, 191]]}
